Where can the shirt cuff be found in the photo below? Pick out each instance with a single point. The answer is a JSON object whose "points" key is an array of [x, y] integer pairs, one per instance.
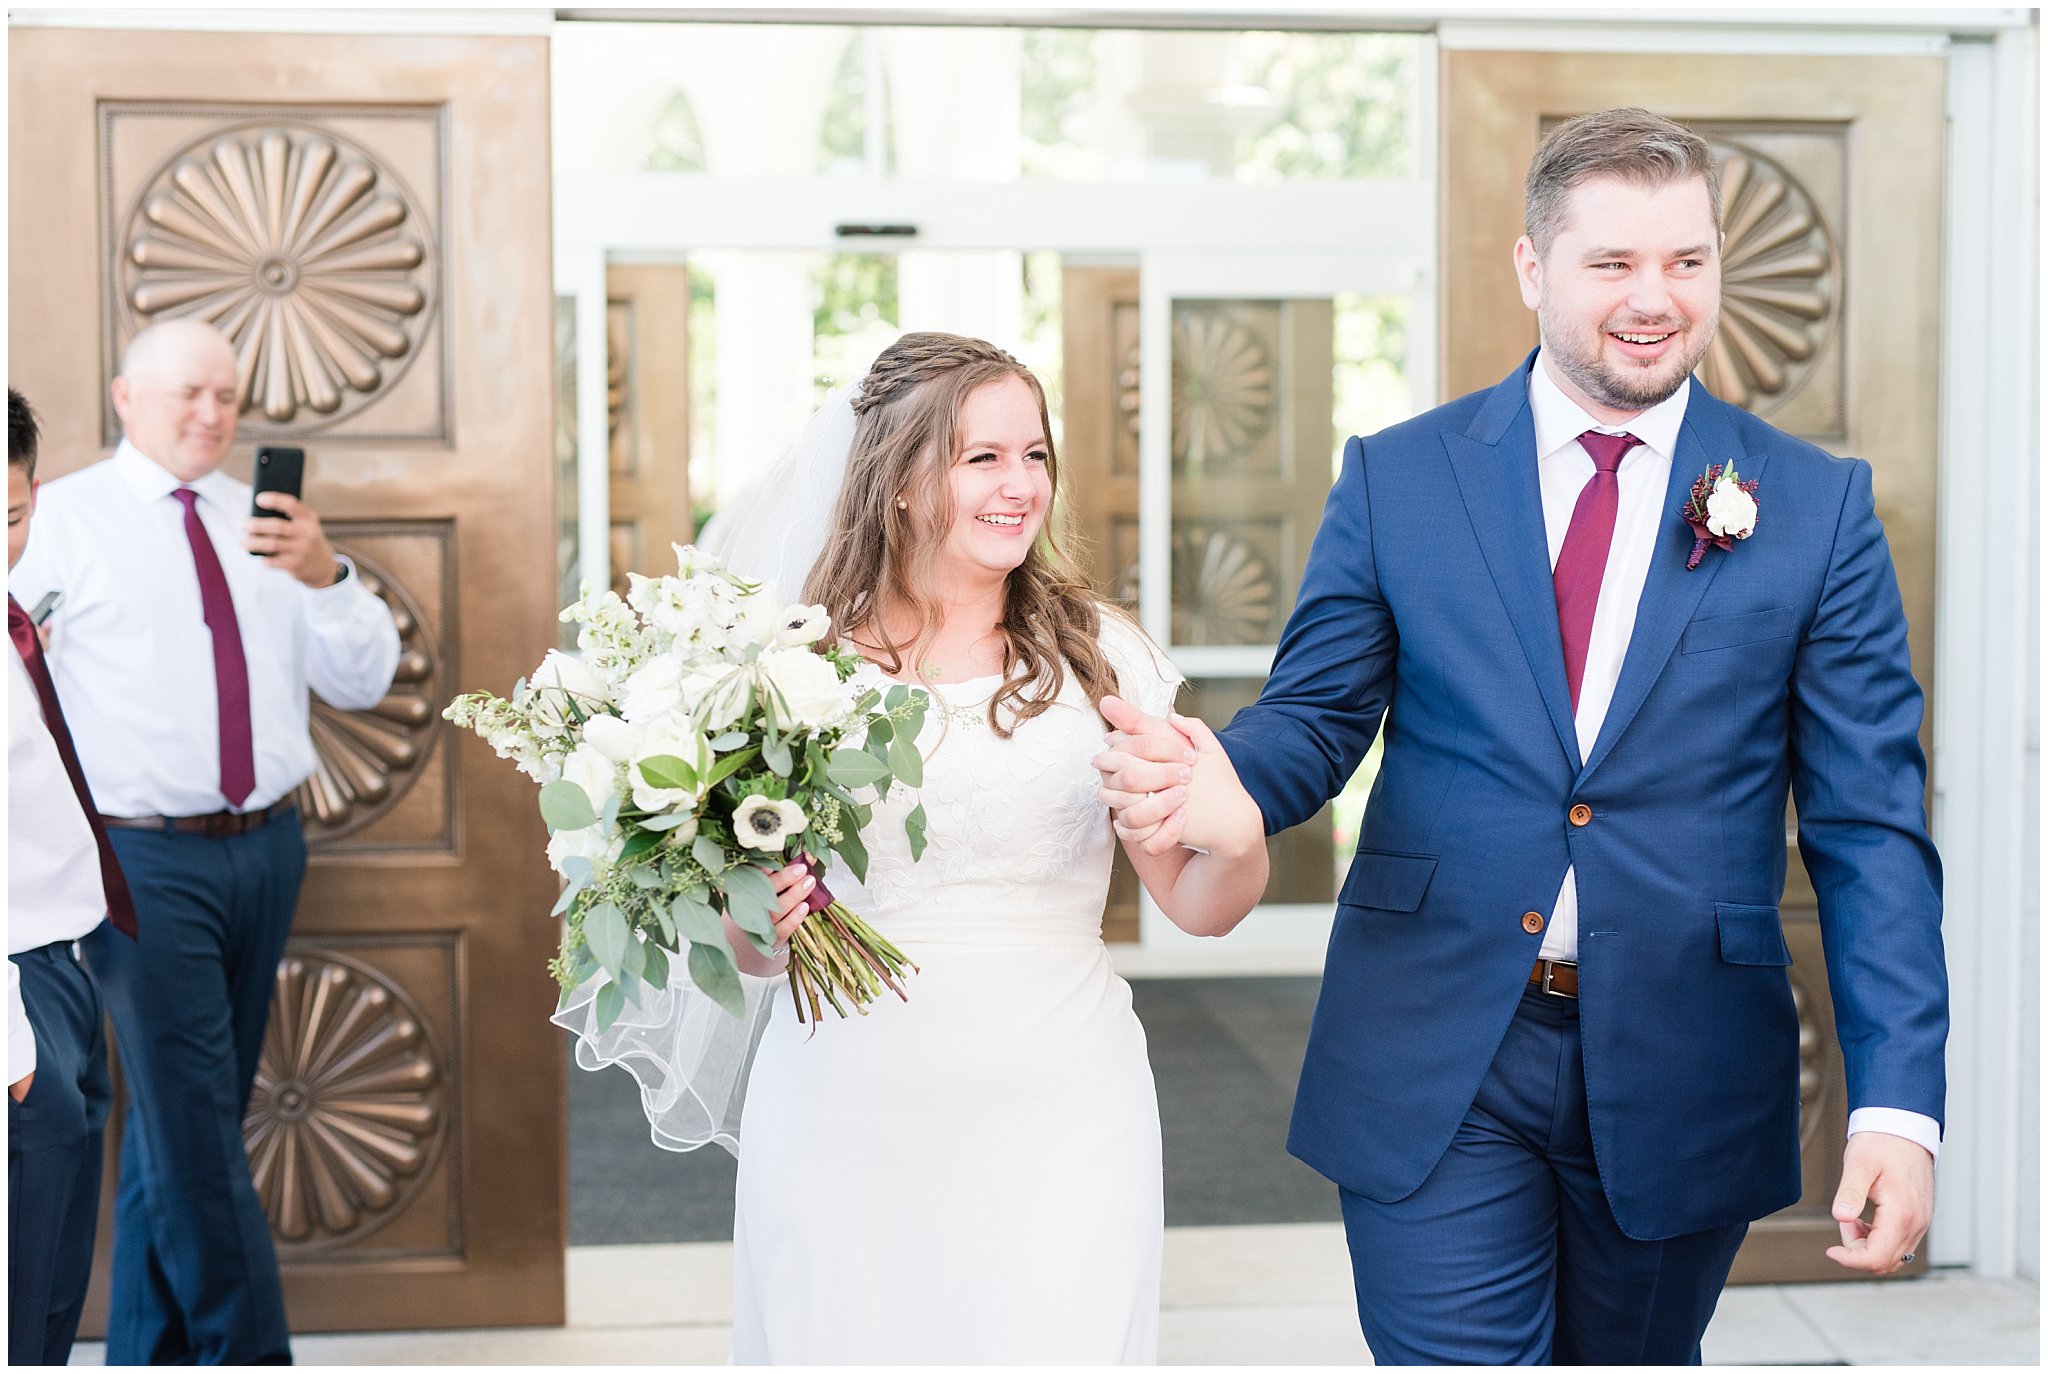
{"points": [[21, 1037], [336, 595], [1923, 1131]]}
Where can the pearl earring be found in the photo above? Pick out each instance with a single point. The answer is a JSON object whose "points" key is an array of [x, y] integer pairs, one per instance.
{"points": [[902, 504]]}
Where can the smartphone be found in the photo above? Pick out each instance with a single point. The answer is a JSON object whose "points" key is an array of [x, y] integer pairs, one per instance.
{"points": [[277, 469], [52, 599]]}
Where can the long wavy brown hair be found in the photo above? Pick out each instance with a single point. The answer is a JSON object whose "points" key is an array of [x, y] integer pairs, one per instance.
{"points": [[904, 441]]}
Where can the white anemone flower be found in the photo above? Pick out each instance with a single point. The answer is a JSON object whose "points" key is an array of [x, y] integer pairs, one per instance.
{"points": [[802, 625], [763, 824]]}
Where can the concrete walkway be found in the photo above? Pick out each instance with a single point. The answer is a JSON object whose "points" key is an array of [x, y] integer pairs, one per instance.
{"points": [[1276, 1294]]}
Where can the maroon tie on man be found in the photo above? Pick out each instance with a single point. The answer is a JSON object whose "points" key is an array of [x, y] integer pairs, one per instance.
{"points": [[230, 668], [1582, 561], [27, 643]]}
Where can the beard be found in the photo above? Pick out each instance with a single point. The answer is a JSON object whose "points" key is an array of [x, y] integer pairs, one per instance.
{"points": [[1626, 386]]}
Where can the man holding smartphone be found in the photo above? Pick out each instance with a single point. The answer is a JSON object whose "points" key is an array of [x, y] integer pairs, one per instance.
{"points": [[186, 643]]}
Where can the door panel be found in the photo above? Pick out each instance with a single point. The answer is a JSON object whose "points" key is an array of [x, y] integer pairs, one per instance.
{"points": [[647, 315], [364, 217], [1832, 191]]}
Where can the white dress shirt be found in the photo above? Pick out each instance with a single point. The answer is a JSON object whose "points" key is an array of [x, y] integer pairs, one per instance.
{"points": [[132, 655], [1563, 469], [53, 862]]}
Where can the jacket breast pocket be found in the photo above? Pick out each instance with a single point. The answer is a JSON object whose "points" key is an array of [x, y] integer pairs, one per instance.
{"points": [[1389, 882], [1729, 631], [1751, 935]]}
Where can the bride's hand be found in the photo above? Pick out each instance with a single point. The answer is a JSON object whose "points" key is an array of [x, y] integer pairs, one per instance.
{"points": [[792, 883]]}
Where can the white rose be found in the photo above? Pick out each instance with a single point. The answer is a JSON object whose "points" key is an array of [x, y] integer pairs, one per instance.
{"points": [[716, 694], [759, 823], [802, 625], [672, 739], [1731, 511], [650, 691], [612, 737], [590, 770], [587, 843], [560, 681], [810, 693]]}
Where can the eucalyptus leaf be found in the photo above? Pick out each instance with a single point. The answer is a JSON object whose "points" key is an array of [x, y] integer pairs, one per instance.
{"points": [[633, 960], [731, 739], [666, 770], [638, 843], [750, 900], [709, 853], [571, 890], [855, 768], [696, 920], [853, 851], [913, 829], [775, 753], [604, 930], [611, 1000], [667, 822], [898, 695], [645, 877], [906, 764], [881, 729], [565, 806], [657, 967], [665, 921], [714, 973]]}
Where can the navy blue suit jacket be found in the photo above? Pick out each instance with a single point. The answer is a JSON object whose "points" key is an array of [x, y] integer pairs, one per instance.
{"points": [[1780, 665]]}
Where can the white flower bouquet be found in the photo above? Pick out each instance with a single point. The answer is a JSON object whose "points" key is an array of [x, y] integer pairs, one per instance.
{"points": [[701, 734]]}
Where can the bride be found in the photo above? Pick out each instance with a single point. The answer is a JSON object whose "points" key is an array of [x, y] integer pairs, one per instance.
{"points": [[972, 1175]]}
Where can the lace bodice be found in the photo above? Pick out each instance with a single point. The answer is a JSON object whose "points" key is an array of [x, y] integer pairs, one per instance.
{"points": [[1018, 846]]}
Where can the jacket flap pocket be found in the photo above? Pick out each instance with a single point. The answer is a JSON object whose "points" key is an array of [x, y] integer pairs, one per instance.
{"points": [[1751, 935], [1727, 631], [1390, 882]]}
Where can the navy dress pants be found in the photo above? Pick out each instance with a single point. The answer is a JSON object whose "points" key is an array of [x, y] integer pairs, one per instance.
{"points": [[53, 1158], [195, 1274], [1508, 1253]]}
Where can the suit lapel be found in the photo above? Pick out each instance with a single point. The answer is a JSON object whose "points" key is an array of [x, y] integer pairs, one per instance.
{"points": [[1671, 594], [1494, 461]]}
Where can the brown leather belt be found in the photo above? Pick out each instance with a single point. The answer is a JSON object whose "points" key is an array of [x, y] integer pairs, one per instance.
{"points": [[219, 825], [1555, 977]]}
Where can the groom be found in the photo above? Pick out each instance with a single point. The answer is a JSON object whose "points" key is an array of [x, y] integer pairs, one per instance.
{"points": [[1554, 1066]]}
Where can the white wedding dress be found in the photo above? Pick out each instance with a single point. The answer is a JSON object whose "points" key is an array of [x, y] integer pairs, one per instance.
{"points": [[971, 1176]]}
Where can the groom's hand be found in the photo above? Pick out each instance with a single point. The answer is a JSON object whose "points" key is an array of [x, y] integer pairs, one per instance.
{"points": [[1898, 1176]]}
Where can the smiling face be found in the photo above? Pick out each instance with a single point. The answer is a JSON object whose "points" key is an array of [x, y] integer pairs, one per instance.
{"points": [[176, 398], [1000, 484], [1629, 293]]}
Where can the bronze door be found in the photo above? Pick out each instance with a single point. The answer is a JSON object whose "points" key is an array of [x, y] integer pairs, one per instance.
{"points": [[1250, 444], [1830, 329], [366, 218]]}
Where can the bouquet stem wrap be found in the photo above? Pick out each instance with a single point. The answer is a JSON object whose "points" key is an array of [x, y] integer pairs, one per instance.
{"points": [[836, 954]]}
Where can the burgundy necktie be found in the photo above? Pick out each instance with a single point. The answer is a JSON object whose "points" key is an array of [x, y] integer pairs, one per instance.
{"points": [[22, 630], [230, 669], [1583, 560]]}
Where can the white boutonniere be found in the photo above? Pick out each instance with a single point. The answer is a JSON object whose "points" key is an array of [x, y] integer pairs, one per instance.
{"points": [[1721, 510]]}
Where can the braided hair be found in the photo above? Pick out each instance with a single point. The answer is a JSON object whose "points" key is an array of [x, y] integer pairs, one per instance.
{"points": [[905, 436]]}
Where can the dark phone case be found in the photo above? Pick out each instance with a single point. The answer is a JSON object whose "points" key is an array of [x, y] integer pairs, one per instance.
{"points": [[277, 469]]}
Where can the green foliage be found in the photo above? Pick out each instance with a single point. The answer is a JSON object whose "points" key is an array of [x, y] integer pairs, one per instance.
{"points": [[713, 971], [1346, 105], [565, 806]]}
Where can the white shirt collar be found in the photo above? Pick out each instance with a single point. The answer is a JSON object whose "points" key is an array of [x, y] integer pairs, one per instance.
{"points": [[1560, 420], [152, 481]]}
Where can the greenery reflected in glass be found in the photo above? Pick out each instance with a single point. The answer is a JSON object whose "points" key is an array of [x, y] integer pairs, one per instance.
{"points": [[1059, 87], [1370, 372], [853, 317], [843, 137], [1346, 102]]}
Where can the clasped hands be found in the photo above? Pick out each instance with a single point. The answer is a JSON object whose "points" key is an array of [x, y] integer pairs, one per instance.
{"points": [[1166, 780]]}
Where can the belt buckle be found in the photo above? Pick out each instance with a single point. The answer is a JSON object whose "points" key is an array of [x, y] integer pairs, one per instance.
{"points": [[1550, 967]]}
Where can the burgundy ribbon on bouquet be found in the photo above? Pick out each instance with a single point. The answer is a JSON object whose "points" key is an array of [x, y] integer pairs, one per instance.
{"points": [[821, 896]]}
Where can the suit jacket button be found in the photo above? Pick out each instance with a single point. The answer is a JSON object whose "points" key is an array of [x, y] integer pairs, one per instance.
{"points": [[1582, 814], [1532, 921]]}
